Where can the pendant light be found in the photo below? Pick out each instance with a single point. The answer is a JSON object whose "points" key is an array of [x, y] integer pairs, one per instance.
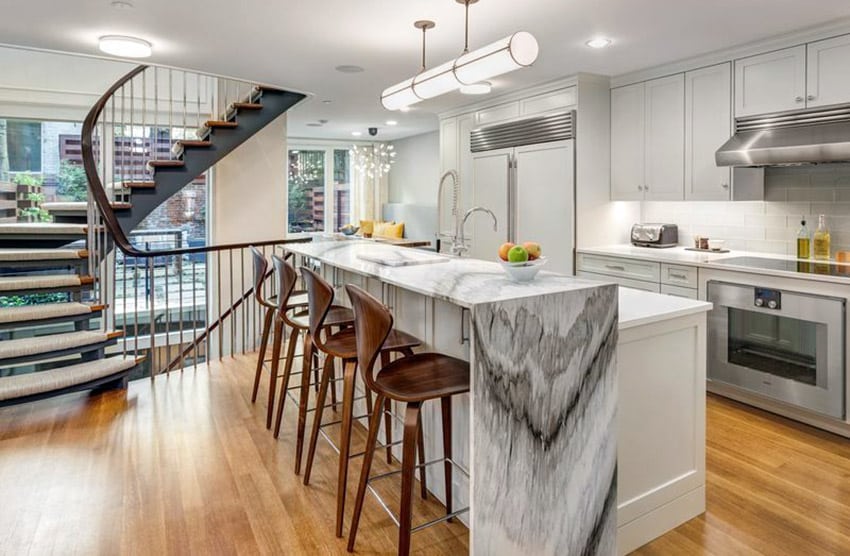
{"points": [[511, 53]]}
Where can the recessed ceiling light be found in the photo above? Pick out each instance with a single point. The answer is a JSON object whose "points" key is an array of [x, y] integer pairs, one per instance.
{"points": [[481, 88], [599, 42], [357, 133], [313, 124], [323, 122], [121, 4], [391, 122], [327, 101], [346, 68], [125, 47]]}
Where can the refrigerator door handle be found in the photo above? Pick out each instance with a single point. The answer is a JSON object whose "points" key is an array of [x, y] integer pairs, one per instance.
{"points": [[512, 197]]}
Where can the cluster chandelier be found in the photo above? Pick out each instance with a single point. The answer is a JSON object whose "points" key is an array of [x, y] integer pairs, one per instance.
{"points": [[470, 68], [372, 160]]}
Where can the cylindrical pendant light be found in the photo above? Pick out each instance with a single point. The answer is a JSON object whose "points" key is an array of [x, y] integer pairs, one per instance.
{"points": [[517, 51]]}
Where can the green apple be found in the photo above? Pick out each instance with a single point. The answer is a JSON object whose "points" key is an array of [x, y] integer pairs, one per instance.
{"points": [[518, 254]]}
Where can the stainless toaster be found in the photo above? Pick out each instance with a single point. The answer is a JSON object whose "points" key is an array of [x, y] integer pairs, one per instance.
{"points": [[655, 235]]}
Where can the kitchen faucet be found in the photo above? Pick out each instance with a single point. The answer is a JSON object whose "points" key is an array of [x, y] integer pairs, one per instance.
{"points": [[459, 240], [455, 194]]}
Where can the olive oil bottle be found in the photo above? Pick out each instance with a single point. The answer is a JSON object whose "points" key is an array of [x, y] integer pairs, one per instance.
{"points": [[804, 241], [820, 245]]}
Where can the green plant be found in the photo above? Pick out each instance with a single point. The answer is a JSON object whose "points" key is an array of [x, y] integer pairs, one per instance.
{"points": [[33, 299], [36, 211], [73, 183], [28, 178]]}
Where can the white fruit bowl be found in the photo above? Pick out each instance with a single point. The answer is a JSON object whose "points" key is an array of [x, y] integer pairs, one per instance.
{"points": [[523, 272]]}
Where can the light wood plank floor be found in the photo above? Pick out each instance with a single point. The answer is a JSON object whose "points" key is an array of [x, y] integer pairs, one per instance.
{"points": [[185, 465]]}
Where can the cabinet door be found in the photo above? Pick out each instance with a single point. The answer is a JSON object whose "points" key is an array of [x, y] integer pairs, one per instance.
{"points": [[627, 138], [544, 201], [771, 82], [664, 148], [828, 68], [708, 124], [489, 190]]}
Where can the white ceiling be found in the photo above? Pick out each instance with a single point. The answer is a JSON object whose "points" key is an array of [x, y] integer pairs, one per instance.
{"points": [[297, 43]]}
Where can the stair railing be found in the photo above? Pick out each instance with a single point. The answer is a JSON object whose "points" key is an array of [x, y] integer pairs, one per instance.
{"points": [[177, 305]]}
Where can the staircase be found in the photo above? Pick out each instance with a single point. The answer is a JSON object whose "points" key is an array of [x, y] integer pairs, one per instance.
{"points": [[62, 324]]}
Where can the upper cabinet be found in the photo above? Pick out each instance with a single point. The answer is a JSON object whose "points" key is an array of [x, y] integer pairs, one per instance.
{"points": [[647, 140], [708, 124], [828, 72], [771, 82]]}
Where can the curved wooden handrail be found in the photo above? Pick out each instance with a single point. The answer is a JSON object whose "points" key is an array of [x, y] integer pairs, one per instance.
{"points": [[98, 191]]}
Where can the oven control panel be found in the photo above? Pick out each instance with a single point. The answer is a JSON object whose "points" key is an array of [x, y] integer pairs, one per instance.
{"points": [[767, 299]]}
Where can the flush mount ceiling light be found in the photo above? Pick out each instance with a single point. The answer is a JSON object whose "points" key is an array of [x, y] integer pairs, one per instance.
{"points": [[347, 68], [481, 88], [391, 122], [511, 53], [599, 42], [125, 47]]}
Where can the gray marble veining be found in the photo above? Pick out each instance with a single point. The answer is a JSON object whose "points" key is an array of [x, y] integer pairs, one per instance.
{"points": [[544, 442]]}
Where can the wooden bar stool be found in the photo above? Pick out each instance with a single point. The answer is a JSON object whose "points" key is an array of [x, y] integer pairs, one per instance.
{"points": [[271, 305], [298, 321], [343, 346], [414, 380]]}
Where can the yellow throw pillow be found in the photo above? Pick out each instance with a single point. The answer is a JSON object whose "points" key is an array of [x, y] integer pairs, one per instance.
{"points": [[367, 226], [389, 230]]}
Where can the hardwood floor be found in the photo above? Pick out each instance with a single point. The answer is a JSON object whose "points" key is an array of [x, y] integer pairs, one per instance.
{"points": [[774, 487], [185, 465]]}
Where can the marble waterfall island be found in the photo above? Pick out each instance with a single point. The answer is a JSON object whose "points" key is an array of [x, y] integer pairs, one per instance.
{"points": [[540, 419]]}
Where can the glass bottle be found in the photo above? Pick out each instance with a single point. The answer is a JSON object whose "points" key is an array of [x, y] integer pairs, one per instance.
{"points": [[820, 245], [804, 241]]}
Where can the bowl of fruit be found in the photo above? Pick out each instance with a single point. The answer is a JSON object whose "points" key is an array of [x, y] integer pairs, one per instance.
{"points": [[349, 229], [521, 262]]}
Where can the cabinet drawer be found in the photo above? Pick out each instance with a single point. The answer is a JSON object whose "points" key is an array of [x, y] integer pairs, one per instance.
{"points": [[679, 291], [676, 275], [623, 282], [615, 266]]}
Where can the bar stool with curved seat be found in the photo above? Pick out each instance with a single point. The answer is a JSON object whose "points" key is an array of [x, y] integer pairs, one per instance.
{"points": [[271, 305], [414, 380], [299, 323], [343, 346]]}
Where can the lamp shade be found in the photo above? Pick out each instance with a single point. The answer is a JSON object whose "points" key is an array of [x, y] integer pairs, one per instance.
{"points": [[399, 96], [511, 53], [435, 81]]}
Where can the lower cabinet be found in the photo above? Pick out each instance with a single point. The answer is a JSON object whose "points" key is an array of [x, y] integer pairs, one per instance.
{"points": [[670, 279]]}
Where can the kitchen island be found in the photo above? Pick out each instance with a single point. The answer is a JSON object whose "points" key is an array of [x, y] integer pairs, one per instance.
{"points": [[539, 430]]}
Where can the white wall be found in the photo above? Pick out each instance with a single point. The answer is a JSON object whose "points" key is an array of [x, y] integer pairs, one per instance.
{"points": [[768, 226], [414, 178]]}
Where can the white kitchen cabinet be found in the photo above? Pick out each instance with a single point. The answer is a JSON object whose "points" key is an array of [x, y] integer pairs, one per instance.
{"points": [[771, 82], [496, 114], [648, 275], [665, 138], [647, 140], [708, 124], [627, 143], [828, 72], [490, 189]]}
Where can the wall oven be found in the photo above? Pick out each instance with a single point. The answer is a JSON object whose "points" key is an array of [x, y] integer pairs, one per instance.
{"points": [[785, 345]]}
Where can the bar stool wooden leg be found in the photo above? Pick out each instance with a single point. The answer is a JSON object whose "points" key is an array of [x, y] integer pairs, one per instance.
{"points": [[267, 325], [348, 373], [327, 373], [334, 402], [304, 395], [276, 345], [371, 441], [408, 465], [446, 404], [287, 372], [420, 451], [388, 419]]}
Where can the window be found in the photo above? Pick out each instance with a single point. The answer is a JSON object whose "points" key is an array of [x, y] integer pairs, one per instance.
{"points": [[23, 141], [319, 184]]}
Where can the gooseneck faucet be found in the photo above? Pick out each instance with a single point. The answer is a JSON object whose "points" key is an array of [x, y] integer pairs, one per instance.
{"points": [[455, 194], [459, 241]]}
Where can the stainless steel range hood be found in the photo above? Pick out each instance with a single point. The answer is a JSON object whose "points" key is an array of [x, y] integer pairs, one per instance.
{"points": [[789, 138]]}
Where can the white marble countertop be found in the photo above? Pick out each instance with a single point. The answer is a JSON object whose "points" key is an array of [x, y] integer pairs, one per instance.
{"points": [[678, 255], [463, 281], [638, 307]]}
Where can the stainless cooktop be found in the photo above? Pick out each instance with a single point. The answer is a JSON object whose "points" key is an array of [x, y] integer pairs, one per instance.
{"points": [[804, 267]]}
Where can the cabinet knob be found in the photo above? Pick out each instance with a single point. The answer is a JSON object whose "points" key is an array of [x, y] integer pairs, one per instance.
{"points": [[646, 188], [799, 99], [724, 185], [811, 97], [640, 188]]}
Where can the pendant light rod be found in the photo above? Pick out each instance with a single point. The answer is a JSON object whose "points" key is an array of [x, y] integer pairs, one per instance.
{"points": [[424, 24], [466, 4]]}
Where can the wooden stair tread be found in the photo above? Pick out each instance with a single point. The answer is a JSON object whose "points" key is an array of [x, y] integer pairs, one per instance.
{"points": [[247, 105], [35, 228], [24, 255], [30, 384], [44, 311], [134, 185], [76, 206], [221, 123], [166, 163], [44, 345], [194, 143], [39, 282]]}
